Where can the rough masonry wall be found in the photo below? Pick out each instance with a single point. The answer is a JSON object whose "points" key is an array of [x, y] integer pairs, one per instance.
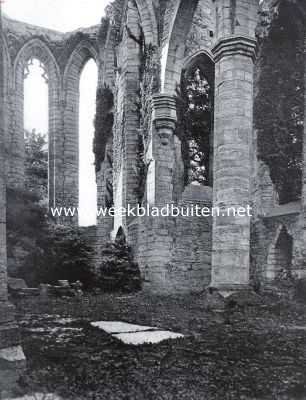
{"points": [[12, 360], [174, 253]]}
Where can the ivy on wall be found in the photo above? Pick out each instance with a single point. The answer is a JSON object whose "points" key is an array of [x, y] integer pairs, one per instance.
{"points": [[160, 13], [279, 102], [149, 73], [104, 121]]}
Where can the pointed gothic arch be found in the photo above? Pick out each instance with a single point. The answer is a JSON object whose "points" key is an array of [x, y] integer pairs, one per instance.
{"points": [[195, 103], [174, 48], [7, 93], [148, 21], [280, 253], [69, 143], [34, 49]]}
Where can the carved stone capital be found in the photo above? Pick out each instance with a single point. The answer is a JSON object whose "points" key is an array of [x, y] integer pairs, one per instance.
{"points": [[164, 110], [234, 45], [164, 116]]}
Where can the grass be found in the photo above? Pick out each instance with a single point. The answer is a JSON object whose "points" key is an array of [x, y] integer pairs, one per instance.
{"points": [[247, 354]]}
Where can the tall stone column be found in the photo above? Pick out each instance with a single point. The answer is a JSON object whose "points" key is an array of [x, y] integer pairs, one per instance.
{"points": [[163, 149], [12, 359], [303, 222], [234, 56]]}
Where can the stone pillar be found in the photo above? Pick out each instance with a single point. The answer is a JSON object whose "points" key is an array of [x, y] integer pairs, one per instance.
{"points": [[163, 149], [12, 359], [234, 56], [303, 216]]}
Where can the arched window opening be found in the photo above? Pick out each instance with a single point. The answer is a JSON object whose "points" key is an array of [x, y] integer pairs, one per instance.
{"points": [[36, 128], [280, 257], [87, 178], [195, 120]]}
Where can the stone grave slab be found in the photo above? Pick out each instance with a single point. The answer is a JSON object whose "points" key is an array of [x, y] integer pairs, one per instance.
{"points": [[135, 334]]}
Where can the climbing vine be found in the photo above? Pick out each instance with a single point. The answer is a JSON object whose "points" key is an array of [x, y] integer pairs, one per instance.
{"points": [[104, 121], [149, 72], [279, 103]]}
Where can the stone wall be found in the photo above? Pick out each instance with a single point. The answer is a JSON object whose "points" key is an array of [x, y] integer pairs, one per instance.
{"points": [[12, 359], [63, 56], [174, 253], [224, 31]]}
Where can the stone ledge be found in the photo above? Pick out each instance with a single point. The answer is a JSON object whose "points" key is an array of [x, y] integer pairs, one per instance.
{"points": [[164, 108], [235, 45], [284, 210]]}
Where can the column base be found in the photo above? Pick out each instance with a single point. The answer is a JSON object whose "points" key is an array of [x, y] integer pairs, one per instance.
{"points": [[228, 296], [12, 358], [226, 289]]}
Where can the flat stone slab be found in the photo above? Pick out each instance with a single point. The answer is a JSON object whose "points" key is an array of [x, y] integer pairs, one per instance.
{"points": [[135, 334], [12, 354], [120, 327], [15, 284], [147, 337], [294, 327], [37, 396]]}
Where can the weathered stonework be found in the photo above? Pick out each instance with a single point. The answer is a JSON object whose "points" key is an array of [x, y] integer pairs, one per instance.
{"points": [[142, 51], [12, 359], [63, 56]]}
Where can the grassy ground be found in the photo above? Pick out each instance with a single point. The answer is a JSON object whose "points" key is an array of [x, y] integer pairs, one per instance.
{"points": [[256, 352]]}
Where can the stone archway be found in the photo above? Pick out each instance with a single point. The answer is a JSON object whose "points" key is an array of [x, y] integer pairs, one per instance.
{"points": [[196, 117], [148, 21], [280, 254], [34, 49], [68, 144], [7, 92], [174, 48]]}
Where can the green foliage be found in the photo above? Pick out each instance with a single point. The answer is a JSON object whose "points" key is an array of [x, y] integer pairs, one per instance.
{"points": [[141, 170], [114, 13], [117, 270], [103, 30], [160, 12], [64, 255], [44, 252], [104, 121], [279, 104], [25, 216], [26, 221], [36, 164], [149, 72], [194, 126]]}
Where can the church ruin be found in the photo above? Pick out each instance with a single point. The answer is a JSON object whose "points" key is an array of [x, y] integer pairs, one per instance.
{"points": [[165, 67]]}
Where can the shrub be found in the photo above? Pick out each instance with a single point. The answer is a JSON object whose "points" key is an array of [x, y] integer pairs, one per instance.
{"points": [[64, 255], [36, 164], [39, 251], [117, 270]]}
